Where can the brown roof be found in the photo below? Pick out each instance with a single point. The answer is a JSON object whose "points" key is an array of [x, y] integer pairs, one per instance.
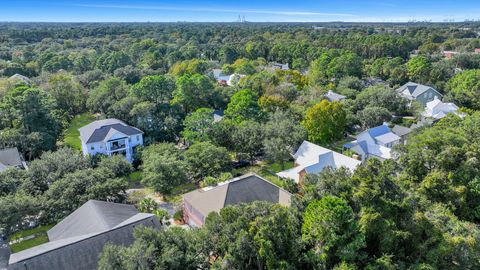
{"points": [[244, 189]]}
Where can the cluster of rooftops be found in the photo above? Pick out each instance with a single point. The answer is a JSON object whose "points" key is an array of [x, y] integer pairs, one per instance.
{"points": [[77, 241], [79, 238]]}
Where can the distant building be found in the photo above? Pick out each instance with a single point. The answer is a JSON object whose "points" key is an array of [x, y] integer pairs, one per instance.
{"points": [[280, 66], [402, 132], [436, 109], [230, 80], [77, 241], [11, 158], [477, 50], [313, 159], [110, 137], [217, 115], [418, 92], [449, 54], [332, 96], [21, 78], [376, 142], [244, 189]]}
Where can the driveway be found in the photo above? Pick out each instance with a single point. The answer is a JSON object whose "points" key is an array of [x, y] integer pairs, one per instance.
{"points": [[4, 254]]}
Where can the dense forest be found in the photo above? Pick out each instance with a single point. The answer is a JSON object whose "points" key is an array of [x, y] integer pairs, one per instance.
{"points": [[420, 210]]}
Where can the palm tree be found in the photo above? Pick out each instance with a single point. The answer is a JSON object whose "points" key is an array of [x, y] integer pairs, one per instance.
{"points": [[147, 205]]}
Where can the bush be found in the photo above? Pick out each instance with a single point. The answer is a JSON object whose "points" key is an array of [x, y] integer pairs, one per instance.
{"points": [[178, 216]]}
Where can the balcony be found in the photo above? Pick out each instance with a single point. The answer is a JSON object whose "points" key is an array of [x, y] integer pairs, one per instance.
{"points": [[117, 145]]}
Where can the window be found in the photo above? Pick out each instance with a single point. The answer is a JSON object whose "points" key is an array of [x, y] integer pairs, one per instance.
{"points": [[138, 138], [92, 148], [129, 139]]}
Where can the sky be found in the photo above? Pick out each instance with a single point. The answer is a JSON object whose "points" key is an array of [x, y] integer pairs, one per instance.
{"points": [[228, 11]]}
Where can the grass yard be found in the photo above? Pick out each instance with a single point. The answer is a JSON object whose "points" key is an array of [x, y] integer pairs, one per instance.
{"points": [[24, 233], [338, 145], [40, 238], [26, 244], [276, 167], [135, 179], [71, 136], [178, 191]]}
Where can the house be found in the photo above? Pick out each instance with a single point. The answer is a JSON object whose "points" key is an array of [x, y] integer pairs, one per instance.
{"points": [[402, 132], [244, 189], [313, 159], [77, 241], [332, 96], [449, 54], [11, 158], [217, 116], [21, 78], [223, 79], [110, 137], [279, 66], [376, 142], [424, 122], [418, 92], [437, 110]]}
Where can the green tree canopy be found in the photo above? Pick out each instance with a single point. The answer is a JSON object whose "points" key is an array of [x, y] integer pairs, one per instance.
{"points": [[330, 228], [325, 122], [243, 106]]}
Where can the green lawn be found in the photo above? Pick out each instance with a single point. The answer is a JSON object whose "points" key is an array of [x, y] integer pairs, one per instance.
{"points": [[24, 233], [135, 179], [40, 239], [178, 191], [72, 135], [338, 145], [277, 167]]}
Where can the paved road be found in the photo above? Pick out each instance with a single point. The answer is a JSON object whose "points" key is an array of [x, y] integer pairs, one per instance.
{"points": [[4, 254]]}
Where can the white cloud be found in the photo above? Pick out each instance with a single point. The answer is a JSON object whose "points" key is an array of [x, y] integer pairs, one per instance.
{"points": [[220, 10]]}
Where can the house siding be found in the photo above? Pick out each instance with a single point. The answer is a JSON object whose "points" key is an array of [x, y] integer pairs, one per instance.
{"points": [[101, 147], [192, 216]]}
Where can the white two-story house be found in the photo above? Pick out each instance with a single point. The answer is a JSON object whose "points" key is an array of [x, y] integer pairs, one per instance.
{"points": [[110, 137]]}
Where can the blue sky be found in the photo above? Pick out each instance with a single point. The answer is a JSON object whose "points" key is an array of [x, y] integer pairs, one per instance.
{"points": [[227, 11]]}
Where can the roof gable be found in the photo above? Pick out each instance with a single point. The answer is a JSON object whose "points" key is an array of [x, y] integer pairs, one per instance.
{"points": [[251, 189], [97, 131], [378, 131], [414, 89], [93, 216], [308, 151], [10, 157], [245, 189]]}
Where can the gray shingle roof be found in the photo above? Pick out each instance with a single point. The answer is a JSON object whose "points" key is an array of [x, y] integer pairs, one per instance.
{"points": [[332, 96], [245, 189], [401, 130], [76, 241], [92, 216], [20, 77], [10, 157], [98, 130], [415, 89]]}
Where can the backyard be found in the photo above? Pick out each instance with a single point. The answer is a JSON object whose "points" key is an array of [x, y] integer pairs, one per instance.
{"points": [[72, 135], [29, 238]]}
